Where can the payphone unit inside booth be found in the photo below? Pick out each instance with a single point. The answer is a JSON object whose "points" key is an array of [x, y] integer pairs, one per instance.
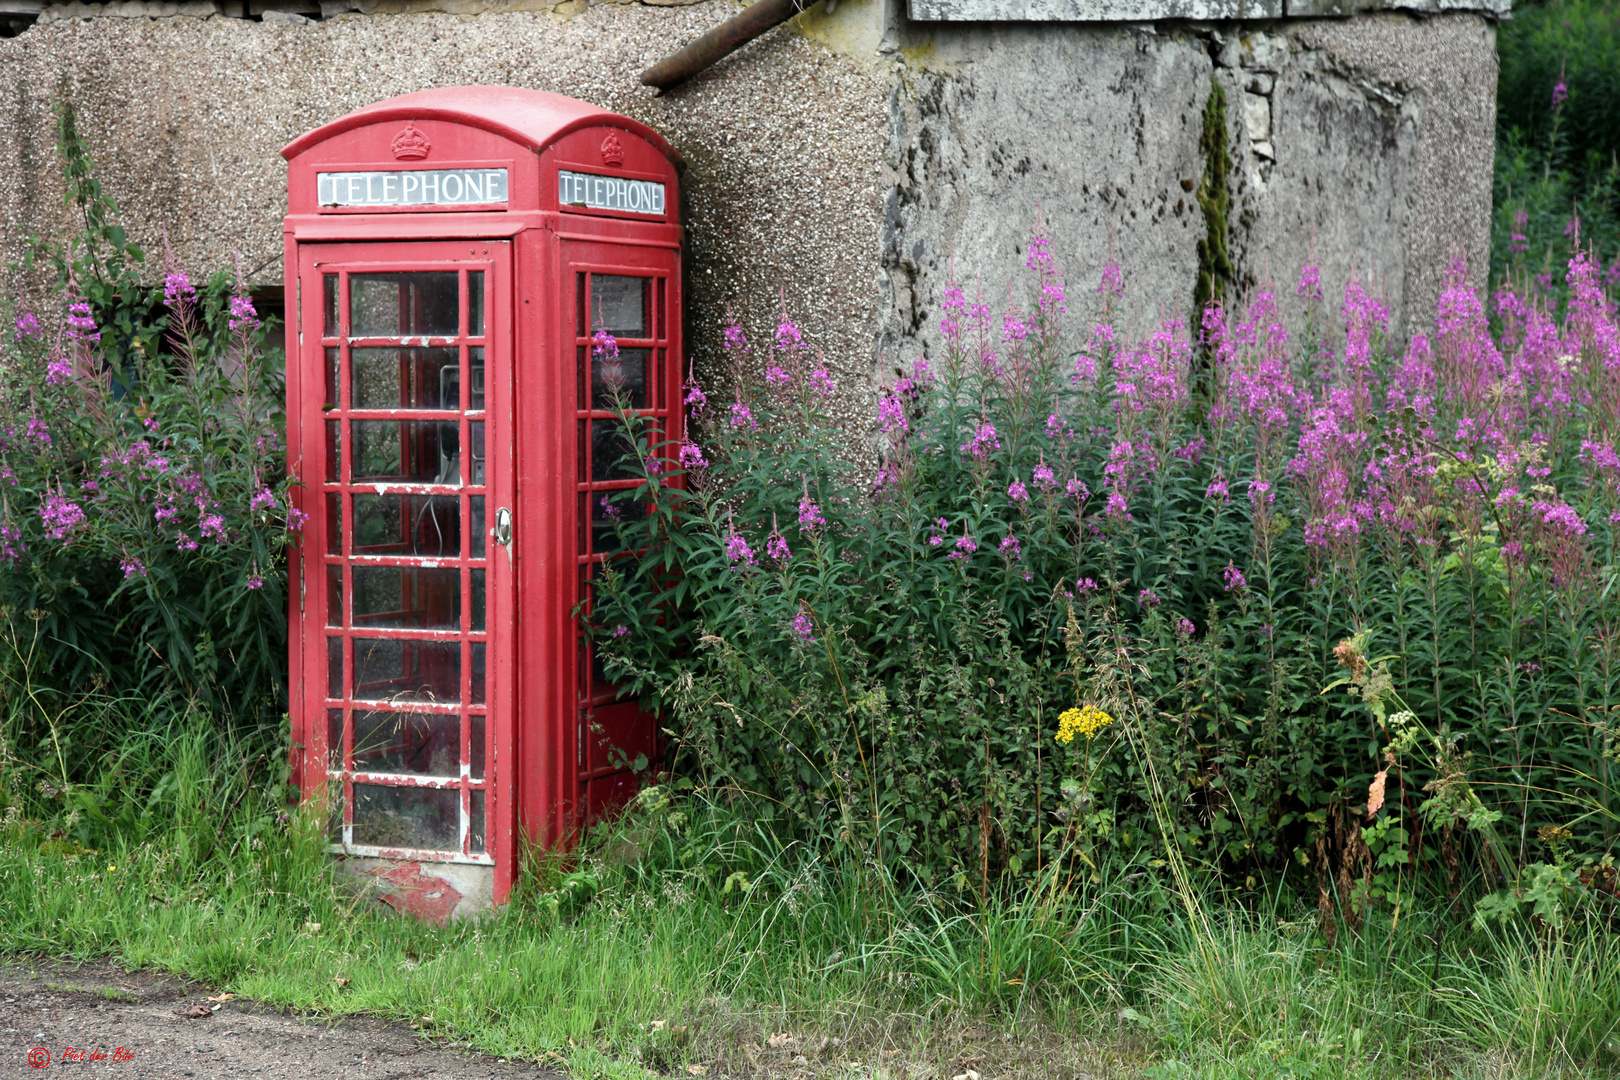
{"points": [[450, 255]]}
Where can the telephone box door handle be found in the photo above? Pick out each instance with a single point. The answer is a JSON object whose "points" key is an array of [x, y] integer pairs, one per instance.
{"points": [[503, 528]]}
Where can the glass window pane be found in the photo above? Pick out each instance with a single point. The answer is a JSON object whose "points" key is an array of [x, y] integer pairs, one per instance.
{"points": [[401, 817], [478, 673], [605, 511], [334, 449], [399, 305], [405, 378], [388, 669], [626, 372], [422, 744], [475, 752], [331, 376], [478, 534], [662, 331], [428, 526], [475, 838], [475, 392], [475, 435], [334, 667], [329, 305], [613, 456], [334, 525], [619, 305], [477, 600], [334, 595], [580, 324], [334, 739], [408, 451], [418, 598], [475, 304]]}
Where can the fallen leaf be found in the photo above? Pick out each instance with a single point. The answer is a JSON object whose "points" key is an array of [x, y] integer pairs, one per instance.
{"points": [[223, 997], [776, 1042], [1375, 792], [697, 1070], [657, 1025], [341, 981], [968, 1075], [195, 1012], [312, 927], [799, 1059]]}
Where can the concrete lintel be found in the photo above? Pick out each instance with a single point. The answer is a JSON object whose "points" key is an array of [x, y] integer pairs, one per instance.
{"points": [[1155, 10]]}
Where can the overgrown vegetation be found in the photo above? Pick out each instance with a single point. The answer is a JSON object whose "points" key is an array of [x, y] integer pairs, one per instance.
{"points": [[1122, 727], [1558, 146]]}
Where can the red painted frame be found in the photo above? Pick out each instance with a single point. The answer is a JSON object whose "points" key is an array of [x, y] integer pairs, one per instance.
{"points": [[550, 768]]}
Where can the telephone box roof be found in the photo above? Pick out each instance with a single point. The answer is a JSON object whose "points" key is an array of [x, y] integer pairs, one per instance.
{"points": [[531, 117]]}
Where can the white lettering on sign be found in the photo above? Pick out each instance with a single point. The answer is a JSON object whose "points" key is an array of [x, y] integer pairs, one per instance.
{"points": [[610, 193], [418, 187]]}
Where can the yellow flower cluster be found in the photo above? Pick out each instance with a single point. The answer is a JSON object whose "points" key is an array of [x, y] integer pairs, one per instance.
{"points": [[1085, 722]]}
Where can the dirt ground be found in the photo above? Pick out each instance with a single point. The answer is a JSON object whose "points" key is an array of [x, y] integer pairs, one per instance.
{"points": [[142, 1027]]}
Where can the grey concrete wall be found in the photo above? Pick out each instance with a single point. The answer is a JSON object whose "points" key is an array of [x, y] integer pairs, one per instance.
{"points": [[843, 160], [1361, 145]]}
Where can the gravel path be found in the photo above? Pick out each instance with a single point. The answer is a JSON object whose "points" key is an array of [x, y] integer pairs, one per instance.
{"points": [[142, 1026]]}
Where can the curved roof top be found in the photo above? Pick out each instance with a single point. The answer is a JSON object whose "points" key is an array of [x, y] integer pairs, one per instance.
{"points": [[533, 117]]}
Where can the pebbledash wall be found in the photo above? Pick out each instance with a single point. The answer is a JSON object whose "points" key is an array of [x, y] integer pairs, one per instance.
{"points": [[847, 162]]}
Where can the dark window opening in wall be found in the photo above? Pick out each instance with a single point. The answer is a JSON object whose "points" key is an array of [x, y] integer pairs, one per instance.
{"points": [[18, 15]]}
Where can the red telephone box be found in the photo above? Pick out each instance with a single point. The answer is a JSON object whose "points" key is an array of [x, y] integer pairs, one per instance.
{"points": [[450, 254]]}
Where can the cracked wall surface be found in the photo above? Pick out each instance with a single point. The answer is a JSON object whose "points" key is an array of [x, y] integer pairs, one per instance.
{"points": [[846, 163]]}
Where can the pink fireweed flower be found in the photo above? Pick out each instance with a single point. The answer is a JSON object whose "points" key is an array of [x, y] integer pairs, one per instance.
{"points": [[211, 526], [892, 414], [132, 567], [1085, 585], [984, 440], [1112, 285], [1043, 478], [1193, 452], [254, 581], [938, 538], [1117, 507], [822, 380], [954, 306], [1076, 489], [1148, 598], [1017, 492], [695, 397], [177, 289], [1235, 581], [620, 631], [1217, 489], [243, 317], [1185, 628], [691, 456], [609, 510], [803, 628], [11, 545], [1310, 284], [1600, 456], [60, 515], [777, 377], [810, 518], [1013, 327], [296, 519], [82, 322], [38, 431], [1057, 428], [1560, 95], [743, 416], [787, 334], [1052, 300], [776, 545], [738, 551], [1011, 548], [28, 326], [58, 371], [184, 542], [734, 339], [965, 547], [264, 499], [1039, 258]]}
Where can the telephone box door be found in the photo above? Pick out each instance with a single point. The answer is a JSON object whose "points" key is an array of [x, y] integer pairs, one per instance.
{"points": [[405, 378]]}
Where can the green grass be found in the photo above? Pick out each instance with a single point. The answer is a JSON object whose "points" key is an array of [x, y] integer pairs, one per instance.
{"points": [[702, 937]]}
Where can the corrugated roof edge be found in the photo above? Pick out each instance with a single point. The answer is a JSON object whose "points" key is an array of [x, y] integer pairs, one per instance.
{"points": [[535, 117]]}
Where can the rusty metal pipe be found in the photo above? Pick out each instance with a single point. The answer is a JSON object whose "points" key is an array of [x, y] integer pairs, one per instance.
{"points": [[720, 42]]}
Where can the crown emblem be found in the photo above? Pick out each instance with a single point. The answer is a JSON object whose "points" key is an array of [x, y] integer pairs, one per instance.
{"points": [[410, 143], [612, 150]]}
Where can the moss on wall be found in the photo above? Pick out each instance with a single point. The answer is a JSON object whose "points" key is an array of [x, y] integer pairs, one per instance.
{"points": [[1215, 199]]}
